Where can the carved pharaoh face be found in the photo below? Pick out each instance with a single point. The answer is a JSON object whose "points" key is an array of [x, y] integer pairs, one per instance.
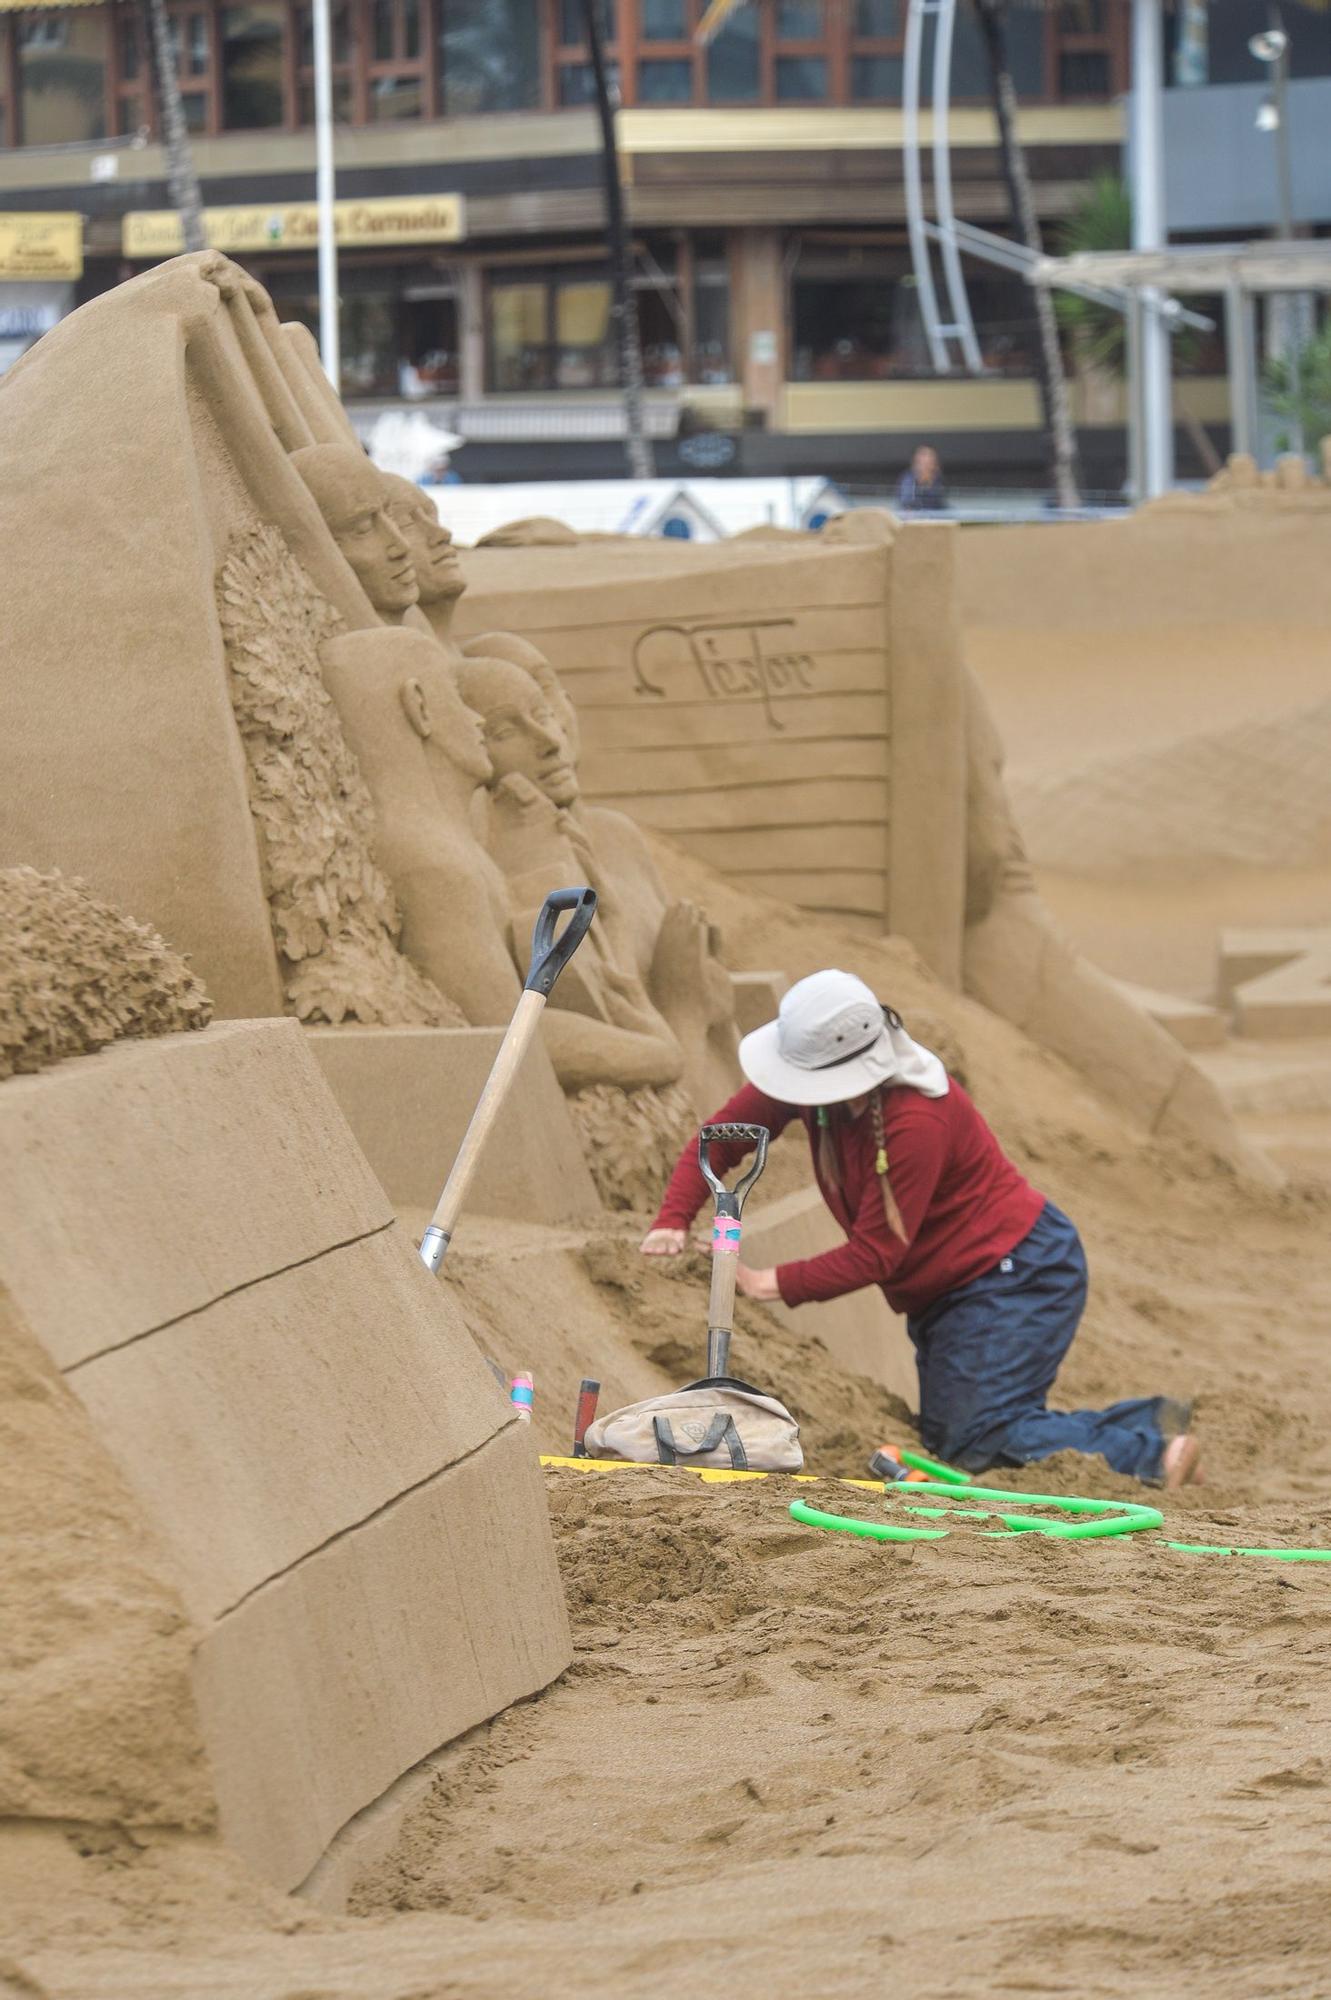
{"points": [[429, 543], [350, 496], [523, 735]]}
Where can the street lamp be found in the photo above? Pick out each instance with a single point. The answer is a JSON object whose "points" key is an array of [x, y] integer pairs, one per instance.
{"points": [[1271, 48]]}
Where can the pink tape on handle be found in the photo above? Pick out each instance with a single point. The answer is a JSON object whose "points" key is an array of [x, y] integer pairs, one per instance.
{"points": [[725, 1239]]}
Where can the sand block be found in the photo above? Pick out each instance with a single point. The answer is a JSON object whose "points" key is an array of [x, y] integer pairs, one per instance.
{"points": [[335, 1485], [1249, 954], [408, 1094], [1188, 1021], [740, 698], [757, 998], [1293, 999], [860, 1331], [139, 1185]]}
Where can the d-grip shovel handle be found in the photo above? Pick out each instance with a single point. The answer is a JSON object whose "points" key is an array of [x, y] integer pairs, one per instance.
{"points": [[550, 954], [726, 1233], [732, 1135]]}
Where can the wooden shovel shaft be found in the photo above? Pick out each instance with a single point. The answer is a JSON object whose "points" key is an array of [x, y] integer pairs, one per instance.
{"points": [[721, 1303], [516, 1042]]}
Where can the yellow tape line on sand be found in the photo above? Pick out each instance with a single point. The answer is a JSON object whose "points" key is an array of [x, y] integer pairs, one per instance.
{"points": [[714, 1475]]}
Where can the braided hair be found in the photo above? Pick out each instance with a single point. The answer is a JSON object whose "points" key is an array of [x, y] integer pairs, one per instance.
{"points": [[829, 1162]]}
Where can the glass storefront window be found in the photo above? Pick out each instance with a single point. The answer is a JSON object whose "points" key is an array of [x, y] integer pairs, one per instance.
{"points": [[252, 66], [61, 79], [733, 75], [711, 312], [489, 56], [663, 81], [395, 342], [550, 331], [801, 79]]}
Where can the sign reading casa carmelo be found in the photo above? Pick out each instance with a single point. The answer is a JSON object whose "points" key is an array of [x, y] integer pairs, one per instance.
{"points": [[386, 219], [41, 246]]}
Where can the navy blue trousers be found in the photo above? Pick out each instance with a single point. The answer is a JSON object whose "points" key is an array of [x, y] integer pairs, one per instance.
{"points": [[988, 1353]]}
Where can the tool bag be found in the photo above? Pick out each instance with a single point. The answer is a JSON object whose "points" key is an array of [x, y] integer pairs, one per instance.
{"points": [[719, 1422]]}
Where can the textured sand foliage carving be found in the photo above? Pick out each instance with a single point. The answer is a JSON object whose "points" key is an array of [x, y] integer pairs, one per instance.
{"points": [[335, 919], [76, 975], [631, 1139]]}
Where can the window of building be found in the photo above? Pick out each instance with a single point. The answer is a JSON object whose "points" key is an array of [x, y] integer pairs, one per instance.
{"points": [[61, 63], [1085, 49], [398, 328], [550, 331], [342, 27], [855, 316], [575, 82], [665, 80], [734, 59], [395, 72], [712, 361], [489, 56], [252, 66]]}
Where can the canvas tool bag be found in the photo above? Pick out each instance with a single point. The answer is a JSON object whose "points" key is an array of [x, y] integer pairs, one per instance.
{"points": [[719, 1422]]}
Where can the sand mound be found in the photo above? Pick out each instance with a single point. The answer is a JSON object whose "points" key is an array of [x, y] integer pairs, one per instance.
{"points": [[75, 975]]}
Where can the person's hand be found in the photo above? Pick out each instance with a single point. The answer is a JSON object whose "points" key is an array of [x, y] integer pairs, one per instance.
{"points": [[664, 1242], [757, 1284]]}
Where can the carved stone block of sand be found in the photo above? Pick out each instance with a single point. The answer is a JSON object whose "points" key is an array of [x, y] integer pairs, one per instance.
{"points": [[533, 1169], [739, 698], [341, 1500]]}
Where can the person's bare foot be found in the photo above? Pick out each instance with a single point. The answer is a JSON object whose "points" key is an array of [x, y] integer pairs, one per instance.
{"points": [[1181, 1465]]}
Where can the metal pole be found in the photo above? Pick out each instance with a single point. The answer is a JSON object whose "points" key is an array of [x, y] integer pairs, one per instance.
{"points": [[1132, 315], [324, 186], [1242, 376], [921, 256], [1149, 233]]}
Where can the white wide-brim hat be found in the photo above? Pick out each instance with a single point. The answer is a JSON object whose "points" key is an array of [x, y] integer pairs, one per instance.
{"points": [[832, 1040]]}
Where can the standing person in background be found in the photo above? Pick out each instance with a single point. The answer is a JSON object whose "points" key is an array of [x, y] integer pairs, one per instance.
{"points": [[990, 1275], [921, 489]]}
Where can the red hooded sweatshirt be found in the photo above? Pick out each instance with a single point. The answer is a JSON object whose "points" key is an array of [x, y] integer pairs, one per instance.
{"points": [[963, 1203]]}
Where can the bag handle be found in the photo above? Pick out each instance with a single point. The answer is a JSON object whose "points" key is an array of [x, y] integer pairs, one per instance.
{"points": [[720, 1432]]}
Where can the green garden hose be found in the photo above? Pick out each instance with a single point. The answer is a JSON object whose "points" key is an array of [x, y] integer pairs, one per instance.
{"points": [[1277, 1555], [1101, 1518]]}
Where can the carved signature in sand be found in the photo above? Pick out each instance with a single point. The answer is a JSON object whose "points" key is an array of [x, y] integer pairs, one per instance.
{"points": [[749, 659]]}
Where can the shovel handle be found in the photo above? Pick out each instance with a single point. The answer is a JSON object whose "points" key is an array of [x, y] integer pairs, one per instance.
{"points": [[550, 954], [756, 1136]]}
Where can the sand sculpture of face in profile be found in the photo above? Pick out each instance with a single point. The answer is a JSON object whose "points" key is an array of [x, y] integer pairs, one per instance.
{"points": [[525, 736], [439, 580], [350, 495]]}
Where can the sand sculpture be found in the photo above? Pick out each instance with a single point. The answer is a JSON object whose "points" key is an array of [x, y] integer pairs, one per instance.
{"points": [[804, 724], [75, 975], [273, 1535]]}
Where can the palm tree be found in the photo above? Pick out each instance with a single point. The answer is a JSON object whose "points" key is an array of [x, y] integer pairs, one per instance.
{"points": [[624, 307], [1102, 220], [181, 177], [1060, 437]]}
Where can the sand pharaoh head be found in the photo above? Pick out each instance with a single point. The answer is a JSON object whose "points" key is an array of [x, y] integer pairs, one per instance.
{"points": [[429, 543], [524, 735], [349, 492]]}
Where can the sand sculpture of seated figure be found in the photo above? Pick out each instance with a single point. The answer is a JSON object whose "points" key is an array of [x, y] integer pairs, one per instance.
{"points": [[657, 953], [421, 754]]}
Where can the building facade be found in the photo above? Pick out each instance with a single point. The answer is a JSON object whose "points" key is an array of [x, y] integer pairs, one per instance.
{"points": [[765, 187]]}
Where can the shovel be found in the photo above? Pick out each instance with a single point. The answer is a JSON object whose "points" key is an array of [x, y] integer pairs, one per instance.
{"points": [[549, 956], [726, 1234]]}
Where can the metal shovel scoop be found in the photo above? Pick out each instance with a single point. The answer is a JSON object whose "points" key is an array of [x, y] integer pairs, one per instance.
{"points": [[726, 1233]]}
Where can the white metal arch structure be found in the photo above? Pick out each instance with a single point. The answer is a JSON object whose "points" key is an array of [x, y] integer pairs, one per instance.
{"points": [[958, 326]]}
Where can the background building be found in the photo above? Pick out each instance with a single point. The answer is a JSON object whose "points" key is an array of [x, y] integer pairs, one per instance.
{"points": [[765, 190]]}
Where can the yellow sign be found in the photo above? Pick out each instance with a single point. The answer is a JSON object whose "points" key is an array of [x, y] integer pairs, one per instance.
{"points": [[41, 246], [386, 219]]}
